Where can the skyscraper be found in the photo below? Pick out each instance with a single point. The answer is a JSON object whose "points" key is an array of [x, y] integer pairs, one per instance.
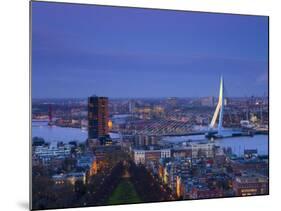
{"points": [[97, 117]]}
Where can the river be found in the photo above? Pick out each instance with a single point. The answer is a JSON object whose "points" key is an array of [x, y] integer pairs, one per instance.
{"points": [[61, 134], [237, 144], [65, 134]]}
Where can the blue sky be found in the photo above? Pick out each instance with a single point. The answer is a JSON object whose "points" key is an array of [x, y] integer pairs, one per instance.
{"points": [[80, 50]]}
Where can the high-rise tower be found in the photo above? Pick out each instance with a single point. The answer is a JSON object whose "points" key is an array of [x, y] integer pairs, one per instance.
{"points": [[97, 117]]}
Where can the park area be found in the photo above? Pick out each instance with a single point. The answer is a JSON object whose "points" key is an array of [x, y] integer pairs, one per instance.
{"points": [[124, 193]]}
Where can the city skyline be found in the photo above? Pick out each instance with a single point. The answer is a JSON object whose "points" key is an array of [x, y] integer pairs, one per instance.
{"points": [[153, 53], [134, 105]]}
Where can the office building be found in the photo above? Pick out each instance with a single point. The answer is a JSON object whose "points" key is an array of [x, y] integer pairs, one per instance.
{"points": [[97, 117]]}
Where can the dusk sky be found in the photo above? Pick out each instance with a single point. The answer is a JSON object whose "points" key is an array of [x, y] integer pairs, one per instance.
{"points": [[80, 50]]}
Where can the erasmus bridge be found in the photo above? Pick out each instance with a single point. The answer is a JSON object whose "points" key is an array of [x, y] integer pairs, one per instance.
{"points": [[220, 131], [180, 128]]}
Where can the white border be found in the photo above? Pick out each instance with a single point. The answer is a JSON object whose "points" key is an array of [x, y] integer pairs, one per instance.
{"points": [[14, 68]]}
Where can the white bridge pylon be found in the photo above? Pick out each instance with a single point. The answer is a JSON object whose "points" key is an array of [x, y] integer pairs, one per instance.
{"points": [[219, 109]]}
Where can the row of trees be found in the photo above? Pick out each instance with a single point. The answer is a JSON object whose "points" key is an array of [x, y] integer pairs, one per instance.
{"points": [[146, 186], [46, 194], [99, 187]]}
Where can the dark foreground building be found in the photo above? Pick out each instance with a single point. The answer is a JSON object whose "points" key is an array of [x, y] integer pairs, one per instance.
{"points": [[97, 117]]}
